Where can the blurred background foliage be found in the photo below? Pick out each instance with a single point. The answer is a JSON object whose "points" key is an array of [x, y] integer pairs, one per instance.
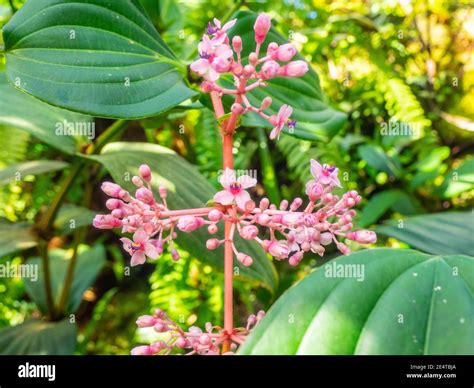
{"points": [[383, 63]]}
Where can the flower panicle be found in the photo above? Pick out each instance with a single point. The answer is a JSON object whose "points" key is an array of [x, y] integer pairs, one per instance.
{"points": [[218, 55]]}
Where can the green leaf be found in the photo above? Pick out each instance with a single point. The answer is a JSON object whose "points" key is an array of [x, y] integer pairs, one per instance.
{"points": [[406, 303], [15, 237], [316, 119], [41, 120], [34, 167], [90, 262], [99, 57], [376, 158], [187, 188], [458, 180], [439, 233], [381, 202], [70, 217], [37, 337]]}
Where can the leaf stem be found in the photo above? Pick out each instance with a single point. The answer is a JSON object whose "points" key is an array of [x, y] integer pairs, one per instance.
{"points": [[43, 250]]}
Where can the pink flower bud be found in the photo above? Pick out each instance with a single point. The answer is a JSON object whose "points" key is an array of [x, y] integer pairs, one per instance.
{"points": [[294, 69], [266, 102], [253, 59], [159, 313], [248, 70], [249, 232], [264, 203], [145, 172], [181, 343], [261, 27], [249, 206], [246, 260], [237, 44], [212, 243], [146, 321], [113, 203], [363, 236], [160, 327], [269, 70], [343, 248], [237, 109], [237, 69], [205, 339], [106, 222], [316, 248], [296, 258], [314, 190], [279, 250], [214, 215], [327, 198], [262, 219], [325, 238], [143, 350], [297, 202], [136, 180], [145, 195], [212, 229], [162, 191], [118, 213], [283, 204], [272, 50], [111, 189], [174, 254], [189, 223], [286, 52]]}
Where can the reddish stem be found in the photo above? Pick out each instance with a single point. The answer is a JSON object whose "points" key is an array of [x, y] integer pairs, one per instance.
{"points": [[227, 132]]}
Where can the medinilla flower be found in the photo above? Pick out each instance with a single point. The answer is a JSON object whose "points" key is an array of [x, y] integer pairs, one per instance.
{"points": [[325, 174], [234, 189], [280, 120], [218, 30], [139, 248], [214, 59]]}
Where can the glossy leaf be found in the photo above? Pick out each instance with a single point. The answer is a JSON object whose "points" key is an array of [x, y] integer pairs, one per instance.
{"points": [[90, 262], [37, 337], [43, 121], [376, 158], [100, 57], [187, 188], [437, 233], [458, 180], [70, 217], [316, 119], [15, 237], [34, 167], [406, 303]]}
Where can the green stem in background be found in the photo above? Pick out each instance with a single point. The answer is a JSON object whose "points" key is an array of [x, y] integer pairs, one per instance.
{"points": [[268, 172], [106, 136], [12, 6], [43, 250]]}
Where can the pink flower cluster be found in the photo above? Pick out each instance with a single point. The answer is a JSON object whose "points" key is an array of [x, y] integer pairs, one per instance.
{"points": [[218, 56], [291, 231], [195, 340]]}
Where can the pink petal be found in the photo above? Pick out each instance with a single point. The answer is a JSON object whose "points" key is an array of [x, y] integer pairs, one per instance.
{"points": [[224, 197], [212, 75], [218, 39], [275, 132], [246, 181], [200, 66], [229, 24], [227, 178], [126, 244], [138, 258], [316, 169], [151, 251], [217, 22], [242, 198], [223, 51], [140, 236]]}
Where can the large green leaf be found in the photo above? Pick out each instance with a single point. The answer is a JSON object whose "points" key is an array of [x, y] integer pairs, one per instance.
{"points": [[41, 120], [15, 237], [70, 217], [376, 158], [316, 119], [101, 57], [187, 188], [439, 233], [407, 302], [34, 167], [88, 266], [37, 337]]}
